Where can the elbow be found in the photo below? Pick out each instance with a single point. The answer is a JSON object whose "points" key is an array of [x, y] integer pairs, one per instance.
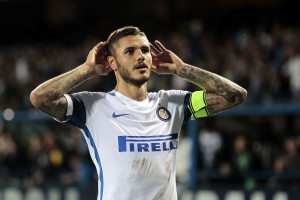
{"points": [[242, 95], [35, 99]]}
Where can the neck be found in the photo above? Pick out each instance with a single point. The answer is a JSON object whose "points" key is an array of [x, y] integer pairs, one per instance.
{"points": [[138, 93]]}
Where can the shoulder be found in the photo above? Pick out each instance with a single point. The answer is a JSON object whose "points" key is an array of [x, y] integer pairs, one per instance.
{"points": [[171, 96], [88, 99], [86, 96], [83, 105], [169, 93]]}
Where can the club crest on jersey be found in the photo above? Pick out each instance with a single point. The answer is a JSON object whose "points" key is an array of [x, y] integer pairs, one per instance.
{"points": [[163, 114]]}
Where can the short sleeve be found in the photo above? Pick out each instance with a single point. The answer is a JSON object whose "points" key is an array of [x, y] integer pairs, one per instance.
{"points": [[76, 112], [82, 106]]}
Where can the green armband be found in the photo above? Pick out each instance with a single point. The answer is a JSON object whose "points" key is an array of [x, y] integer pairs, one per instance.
{"points": [[197, 105]]}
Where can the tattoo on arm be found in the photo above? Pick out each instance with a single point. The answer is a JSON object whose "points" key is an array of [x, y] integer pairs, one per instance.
{"points": [[49, 98], [221, 92], [57, 110]]}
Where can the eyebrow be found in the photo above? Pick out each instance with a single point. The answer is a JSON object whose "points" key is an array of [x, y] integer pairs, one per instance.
{"points": [[136, 47], [129, 48]]}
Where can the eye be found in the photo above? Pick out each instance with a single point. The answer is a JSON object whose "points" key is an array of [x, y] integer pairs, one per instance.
{"points": [[145, 50], [129, 52]]}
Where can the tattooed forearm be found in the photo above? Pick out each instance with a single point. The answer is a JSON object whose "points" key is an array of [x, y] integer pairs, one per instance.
{"points": [[192, 74], [58, 110], [56, 87], [48, 97], [221, 92]]}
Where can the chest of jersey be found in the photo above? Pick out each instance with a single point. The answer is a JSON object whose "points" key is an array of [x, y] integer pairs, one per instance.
{"points": [[148, 127], [134, 144]]}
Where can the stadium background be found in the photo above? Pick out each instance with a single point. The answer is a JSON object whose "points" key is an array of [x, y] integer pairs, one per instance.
{"points": [[250, 152]]}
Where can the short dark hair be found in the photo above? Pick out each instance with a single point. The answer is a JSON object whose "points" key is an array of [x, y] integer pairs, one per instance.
{"points": [[120, 33]]}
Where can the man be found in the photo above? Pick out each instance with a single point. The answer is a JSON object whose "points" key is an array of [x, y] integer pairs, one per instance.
{"points": [[132, 135]]}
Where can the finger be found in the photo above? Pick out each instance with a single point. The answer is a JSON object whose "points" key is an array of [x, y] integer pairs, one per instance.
{"points": [[154, 68], [154, 55], [101, 45], [165, 64], [102, 49], [98, 45], [154, 50], [160, 46]]}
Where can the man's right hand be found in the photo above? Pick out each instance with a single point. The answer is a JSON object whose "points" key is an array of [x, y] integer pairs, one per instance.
{"points": [[49, 96], [97, 59]]}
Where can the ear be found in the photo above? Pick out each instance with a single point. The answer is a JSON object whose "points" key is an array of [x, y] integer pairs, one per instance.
{"points": [[112, 62]]}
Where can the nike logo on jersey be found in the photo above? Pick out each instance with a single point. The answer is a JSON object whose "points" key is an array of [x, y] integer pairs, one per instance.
{"points": [[114, 115]]}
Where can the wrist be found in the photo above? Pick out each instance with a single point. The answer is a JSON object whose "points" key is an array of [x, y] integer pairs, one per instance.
{"points": [[87, 70], [179, 68]]}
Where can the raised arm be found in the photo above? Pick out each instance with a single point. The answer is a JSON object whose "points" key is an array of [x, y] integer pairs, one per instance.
{"points": [[221, 93], [49, 96]]}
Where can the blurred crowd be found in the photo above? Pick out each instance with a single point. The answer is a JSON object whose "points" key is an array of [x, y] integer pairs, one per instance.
{"points": [[45, 155], [248, 160], [264, 60]]}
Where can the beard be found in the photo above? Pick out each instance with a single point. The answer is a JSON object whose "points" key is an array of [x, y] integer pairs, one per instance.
{"points": [[126, 76]]}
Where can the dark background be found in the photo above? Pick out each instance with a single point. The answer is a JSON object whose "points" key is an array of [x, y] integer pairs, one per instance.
{"points": [[47, 38], [65, 20]]}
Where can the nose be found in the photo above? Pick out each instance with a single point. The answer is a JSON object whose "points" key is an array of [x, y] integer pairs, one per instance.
{"points": [[140, 55]]}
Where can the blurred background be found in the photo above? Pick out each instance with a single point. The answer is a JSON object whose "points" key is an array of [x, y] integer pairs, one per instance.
{"points": [[249, 152]]}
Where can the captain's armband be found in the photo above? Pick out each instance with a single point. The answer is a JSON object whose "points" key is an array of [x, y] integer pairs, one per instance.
{"points": [[197, 105]]}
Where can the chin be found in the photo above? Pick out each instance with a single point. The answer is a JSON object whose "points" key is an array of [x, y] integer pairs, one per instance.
{"points": [[140, 81]]}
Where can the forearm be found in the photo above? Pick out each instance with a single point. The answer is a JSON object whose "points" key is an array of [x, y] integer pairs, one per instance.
{"points": [[223, 93], [208, 81], [46, 96]]}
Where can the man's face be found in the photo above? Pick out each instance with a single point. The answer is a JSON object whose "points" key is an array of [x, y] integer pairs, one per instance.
{"points": [[133, 59]]}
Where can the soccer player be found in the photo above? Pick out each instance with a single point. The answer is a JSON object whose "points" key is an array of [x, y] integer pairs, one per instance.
{"points": [[132, 135]]}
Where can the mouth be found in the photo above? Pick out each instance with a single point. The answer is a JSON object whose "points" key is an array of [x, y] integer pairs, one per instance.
{"points": [[141, 66]]}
